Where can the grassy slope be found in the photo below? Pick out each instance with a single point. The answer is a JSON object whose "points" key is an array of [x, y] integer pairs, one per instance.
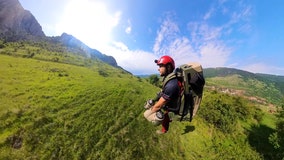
{"points": [[59, 111], [252, 87], [51, 105]]}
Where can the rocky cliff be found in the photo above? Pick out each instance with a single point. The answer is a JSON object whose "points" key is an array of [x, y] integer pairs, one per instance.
{"points": [[16, 22]]}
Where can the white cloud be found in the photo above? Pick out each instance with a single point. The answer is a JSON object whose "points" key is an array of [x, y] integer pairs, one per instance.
{"points": [[209, 33], [214, 54], [201, 33], [263, 68], [209, 14], [166, 34], [136, 61], [88, 21], [205, 47], [128, 30], [120, 46], [241, 19], [257, 67], [129, 27], [182, 51], [205, 43]]}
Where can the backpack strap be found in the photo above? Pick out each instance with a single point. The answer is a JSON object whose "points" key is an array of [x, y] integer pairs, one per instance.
{"points": [[168, 78]]}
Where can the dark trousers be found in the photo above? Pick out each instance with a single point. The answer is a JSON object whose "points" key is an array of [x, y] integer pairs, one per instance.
{"points": [[166, 122]]}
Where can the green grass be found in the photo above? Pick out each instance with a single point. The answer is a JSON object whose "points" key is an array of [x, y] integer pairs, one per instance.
{"points": [[55, 105], [250, 86], [62, 111]]}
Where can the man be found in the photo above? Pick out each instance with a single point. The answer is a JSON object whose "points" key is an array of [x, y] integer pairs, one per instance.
{"points": [[168, 97]]}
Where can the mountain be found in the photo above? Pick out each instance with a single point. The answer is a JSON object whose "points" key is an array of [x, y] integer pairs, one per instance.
{"points": [[223, 71], [76, 46], [16, 22], [269, 87]]}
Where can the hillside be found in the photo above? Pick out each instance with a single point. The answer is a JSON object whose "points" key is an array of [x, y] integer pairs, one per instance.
{"points": [[62, 106], [61, 99], [74, 45], [49, 107], [260, 87]]}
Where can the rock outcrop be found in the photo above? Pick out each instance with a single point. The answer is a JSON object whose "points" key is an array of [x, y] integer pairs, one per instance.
{"points": [[16, 22]]}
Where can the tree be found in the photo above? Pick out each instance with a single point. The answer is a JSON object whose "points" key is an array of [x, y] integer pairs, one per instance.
{"points": [[154, 79], [277, 138], [2, 44]]}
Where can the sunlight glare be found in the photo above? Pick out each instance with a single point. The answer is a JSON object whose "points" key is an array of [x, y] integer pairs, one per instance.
{"points": [[88, 21]]}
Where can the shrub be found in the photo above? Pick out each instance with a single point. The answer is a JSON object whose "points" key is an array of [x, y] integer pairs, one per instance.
{"points": [[2, 44], [277, 138], [103, 73], [223, 111], [153, 79]]}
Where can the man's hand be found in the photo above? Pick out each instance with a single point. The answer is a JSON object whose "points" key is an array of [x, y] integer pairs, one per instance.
{"points": [[159, 105], [149, 104]]}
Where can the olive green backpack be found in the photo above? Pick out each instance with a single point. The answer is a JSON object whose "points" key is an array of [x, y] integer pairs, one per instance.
{"points": [[191, 82]]}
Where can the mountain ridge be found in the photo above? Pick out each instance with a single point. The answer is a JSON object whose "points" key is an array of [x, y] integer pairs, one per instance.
{"points": [[75, 45], [223, 71], [18, 24], [269, 87], [226, 70]]}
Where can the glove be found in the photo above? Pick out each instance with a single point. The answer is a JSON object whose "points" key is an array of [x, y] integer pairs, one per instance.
{"points": [[149, 104]]}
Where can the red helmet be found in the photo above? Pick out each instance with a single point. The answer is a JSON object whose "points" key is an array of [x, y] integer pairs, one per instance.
{"points": [[165, 60]]}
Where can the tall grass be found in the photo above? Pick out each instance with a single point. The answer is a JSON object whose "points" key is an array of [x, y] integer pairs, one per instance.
{"points": [[51, 106]]}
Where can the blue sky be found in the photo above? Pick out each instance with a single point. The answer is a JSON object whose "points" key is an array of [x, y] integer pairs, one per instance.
{"points": [[242, 34]]}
